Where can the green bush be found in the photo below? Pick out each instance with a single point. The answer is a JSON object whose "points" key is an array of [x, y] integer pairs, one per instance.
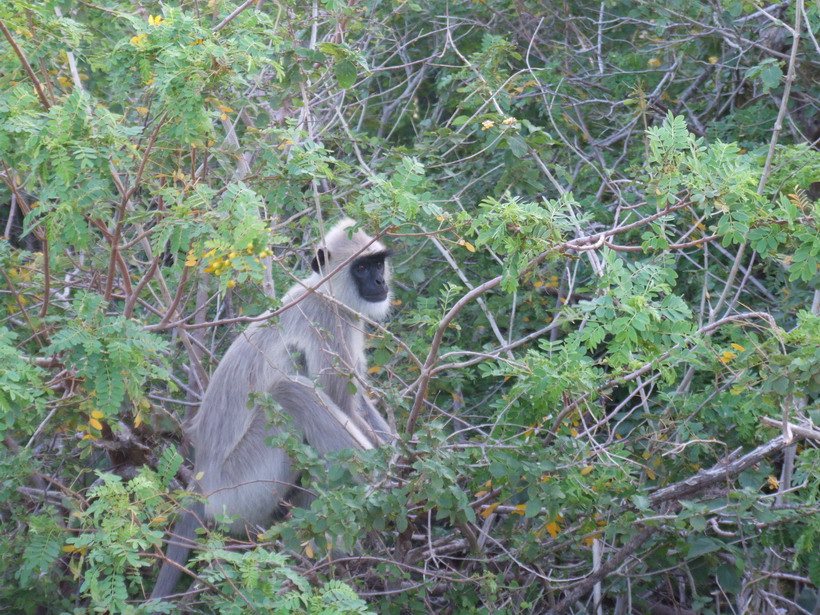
{"points": [[606, 306]]}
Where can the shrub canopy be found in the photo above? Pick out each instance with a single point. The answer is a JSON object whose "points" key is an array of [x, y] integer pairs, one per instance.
{"points": [[603, 355]]}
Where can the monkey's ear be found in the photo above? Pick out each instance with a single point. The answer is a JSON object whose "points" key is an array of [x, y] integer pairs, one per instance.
{"points": [[319, 260]]}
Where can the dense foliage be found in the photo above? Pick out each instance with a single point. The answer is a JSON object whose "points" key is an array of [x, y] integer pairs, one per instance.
{"points": [[604, 354]]}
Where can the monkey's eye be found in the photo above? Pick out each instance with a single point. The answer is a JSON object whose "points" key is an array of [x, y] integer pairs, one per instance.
{"points": [[361, 268]]}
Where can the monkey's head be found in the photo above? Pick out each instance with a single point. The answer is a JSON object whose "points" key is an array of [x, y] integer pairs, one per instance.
{"points": [[364, 283]]}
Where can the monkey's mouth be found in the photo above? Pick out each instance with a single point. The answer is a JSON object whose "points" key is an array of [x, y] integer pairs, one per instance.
{"points": [[375, 297]]}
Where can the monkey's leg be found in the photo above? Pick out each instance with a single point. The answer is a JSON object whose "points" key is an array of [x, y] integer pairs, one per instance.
{"points": [[249, 485], [250, 482]]}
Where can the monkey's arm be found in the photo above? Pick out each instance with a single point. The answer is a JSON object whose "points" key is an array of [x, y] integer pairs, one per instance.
{"points": [[325, 426]]}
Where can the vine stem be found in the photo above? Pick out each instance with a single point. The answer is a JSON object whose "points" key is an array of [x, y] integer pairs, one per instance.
{"points": [[784, 102]]}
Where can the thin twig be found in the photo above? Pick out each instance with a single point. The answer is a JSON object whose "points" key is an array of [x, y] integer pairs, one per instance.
{"points": [[233, 15], [126, 195], [38, 87]]}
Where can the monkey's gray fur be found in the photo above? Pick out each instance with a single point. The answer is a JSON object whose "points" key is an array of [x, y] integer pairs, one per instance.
{"points": [[305, 362]]}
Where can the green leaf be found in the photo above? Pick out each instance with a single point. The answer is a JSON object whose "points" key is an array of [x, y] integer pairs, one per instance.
{"points": [[770, 76], [346, 74], [41, 550], [168, 464], [701, 545], [532, 509], [517, 145], [698, 523], [769, 73], [729, 578], [814, 570], [640, 501]]}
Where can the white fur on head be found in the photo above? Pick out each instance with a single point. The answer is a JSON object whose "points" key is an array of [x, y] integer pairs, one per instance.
{"points": [[340, 245]]}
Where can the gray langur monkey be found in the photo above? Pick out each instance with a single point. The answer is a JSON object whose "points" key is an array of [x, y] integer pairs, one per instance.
{"points": [[305, 362]]}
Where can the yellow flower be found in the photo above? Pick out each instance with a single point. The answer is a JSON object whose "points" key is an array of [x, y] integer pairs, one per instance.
{"points": [[654, 63], [727, 356], [155, 20], [138, 40], [738, 347], [509, 121], [713, 59], [215, 266], [487, 124]]}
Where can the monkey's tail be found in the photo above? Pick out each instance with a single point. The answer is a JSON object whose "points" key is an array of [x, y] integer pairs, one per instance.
{"points": [[179, 546]]}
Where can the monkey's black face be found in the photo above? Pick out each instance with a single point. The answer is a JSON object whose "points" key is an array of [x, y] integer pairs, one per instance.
{"points": [[368, 272]]}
